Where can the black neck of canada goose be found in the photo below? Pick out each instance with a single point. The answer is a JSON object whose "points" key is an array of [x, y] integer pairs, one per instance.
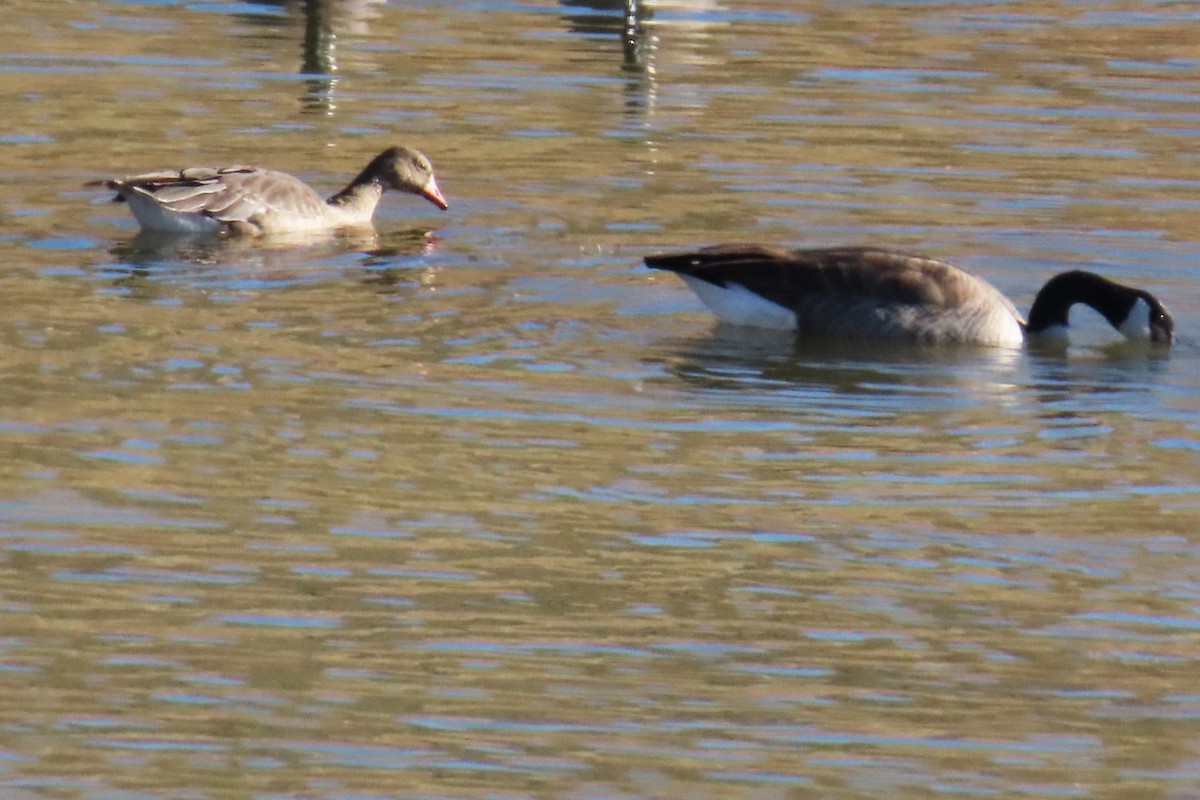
{"points": [[1123, 306]]}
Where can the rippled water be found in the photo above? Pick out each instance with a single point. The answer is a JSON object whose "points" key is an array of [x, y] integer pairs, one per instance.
{"points": [[478, 507]]}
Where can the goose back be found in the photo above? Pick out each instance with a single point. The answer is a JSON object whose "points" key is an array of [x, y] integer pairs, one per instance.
{"points": [[204, 198], [849, 292]]}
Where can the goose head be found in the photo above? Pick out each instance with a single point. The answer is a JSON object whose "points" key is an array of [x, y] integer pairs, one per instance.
{"points": [[405, 170], [1148, 320], [1137, 314]]}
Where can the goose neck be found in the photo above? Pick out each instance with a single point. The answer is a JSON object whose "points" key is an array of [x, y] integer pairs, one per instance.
{"points": [[1053, 303]]}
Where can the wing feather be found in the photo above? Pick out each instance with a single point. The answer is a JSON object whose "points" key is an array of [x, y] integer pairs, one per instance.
{"points": [[229, 194]]}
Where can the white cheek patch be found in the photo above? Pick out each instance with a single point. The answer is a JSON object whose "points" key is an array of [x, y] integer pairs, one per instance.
{"points": [[1136, 326], [738, 305]]}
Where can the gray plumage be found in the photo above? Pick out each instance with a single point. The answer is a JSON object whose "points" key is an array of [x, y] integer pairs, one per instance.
{"points": [[243, 199]]}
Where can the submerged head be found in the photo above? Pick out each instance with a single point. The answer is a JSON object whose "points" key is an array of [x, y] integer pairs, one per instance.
{"points": [[1136, 313], [1148, 321], [407, 170]]}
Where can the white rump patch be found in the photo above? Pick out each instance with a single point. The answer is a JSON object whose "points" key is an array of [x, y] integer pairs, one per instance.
{"points": [[154, 216], [1136, 326], [737, 305]]}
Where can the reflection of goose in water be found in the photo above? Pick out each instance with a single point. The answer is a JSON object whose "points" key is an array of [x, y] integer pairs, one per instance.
{"points": [[625, 18], [333, 16], [764, 363], [868, 293], [236, 261], [1076, 397], [324, 22], [640, 18], [650, 31]]}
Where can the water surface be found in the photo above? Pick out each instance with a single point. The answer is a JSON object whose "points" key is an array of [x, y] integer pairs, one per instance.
{"points": [[475, 506]]}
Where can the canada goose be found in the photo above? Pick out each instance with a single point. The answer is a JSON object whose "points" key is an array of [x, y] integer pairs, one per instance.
{"points": [[868, 293], [253, 200]]}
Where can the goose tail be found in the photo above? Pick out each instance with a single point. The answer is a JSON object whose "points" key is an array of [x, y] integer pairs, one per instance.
{"points": [[108, 183], [673, 262], [726, 255]]}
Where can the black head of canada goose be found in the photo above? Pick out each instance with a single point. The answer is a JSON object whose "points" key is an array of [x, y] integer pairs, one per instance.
{"points": [[869, 293], [253, 200]]}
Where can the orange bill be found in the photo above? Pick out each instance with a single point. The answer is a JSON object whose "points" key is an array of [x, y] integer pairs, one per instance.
{"points": [[433, 194]]}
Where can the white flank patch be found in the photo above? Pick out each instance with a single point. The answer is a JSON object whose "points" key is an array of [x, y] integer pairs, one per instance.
{"points": [[1136, 326], [994, 326], [1007, 332], [738, 305], [153, 216]]}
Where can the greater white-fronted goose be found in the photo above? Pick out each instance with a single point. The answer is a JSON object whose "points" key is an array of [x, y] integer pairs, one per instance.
{"points": [[255, 201], [868, 293]]}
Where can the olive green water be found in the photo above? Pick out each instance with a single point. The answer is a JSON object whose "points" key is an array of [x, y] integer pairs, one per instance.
{"points": [[476, 507]]}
